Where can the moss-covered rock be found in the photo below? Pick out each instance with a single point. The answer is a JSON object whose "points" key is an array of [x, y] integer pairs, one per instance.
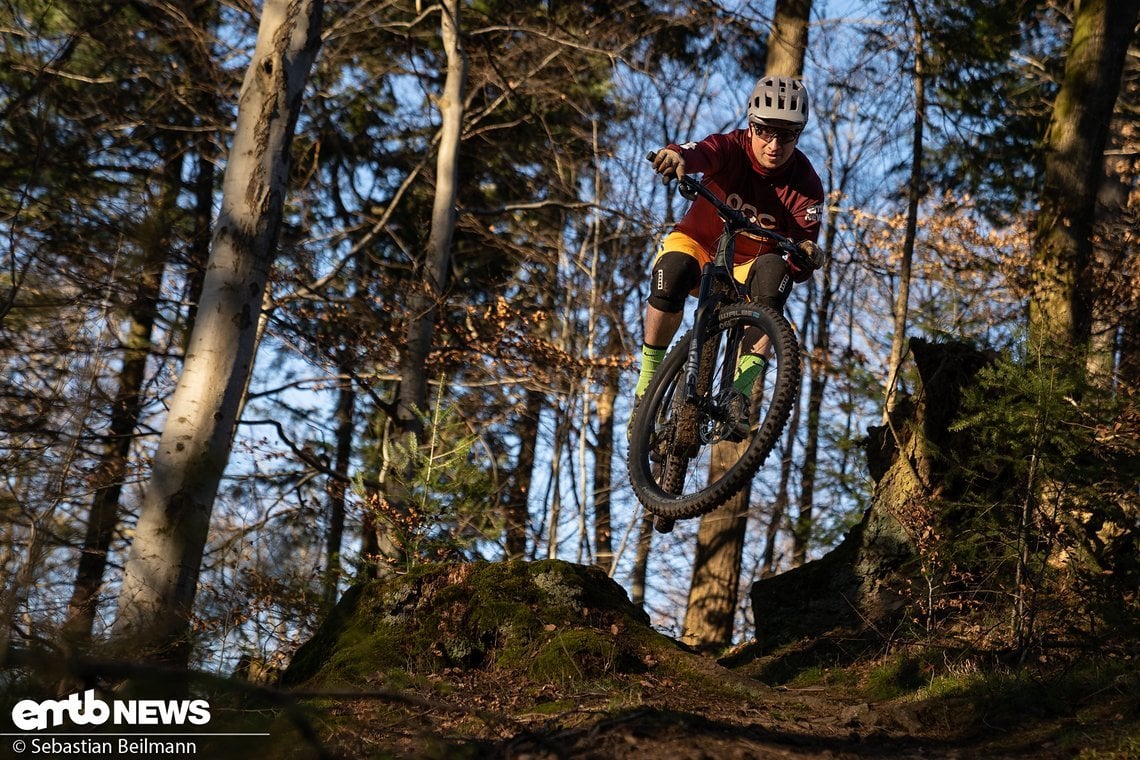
{"points": [[551, 621]]}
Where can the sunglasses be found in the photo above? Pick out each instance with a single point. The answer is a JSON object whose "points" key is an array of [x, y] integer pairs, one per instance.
{"points": [[767, 134]]}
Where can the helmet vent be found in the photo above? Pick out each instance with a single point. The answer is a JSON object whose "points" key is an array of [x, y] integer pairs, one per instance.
{"points": [[779, 99]]}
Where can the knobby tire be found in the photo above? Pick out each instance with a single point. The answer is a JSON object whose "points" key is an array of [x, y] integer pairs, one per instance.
{"points": [[661, 485]]}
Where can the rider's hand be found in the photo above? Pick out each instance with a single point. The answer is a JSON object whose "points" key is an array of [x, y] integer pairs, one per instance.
{"points": [[807, 256], [669, 164]]}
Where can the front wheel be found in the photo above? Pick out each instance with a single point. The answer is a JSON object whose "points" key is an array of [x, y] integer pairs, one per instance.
{"points": [[689, 456]]}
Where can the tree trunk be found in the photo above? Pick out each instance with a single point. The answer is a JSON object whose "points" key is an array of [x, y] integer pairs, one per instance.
{"points": [[720, 543], [779, 512], [1125, 167], [554, 510], [125, 409], [818, 371], [805, 521], [788, 40], [424, 304], [208, 115], [1060, 314], [914, 193], [603, 460], [861, 585], [1110, 251], [338, 485], [715, 588], [640, 570], [804, 525], [161, 573], [370, 550], [198, 250], [517, 507], [1129, 369]]}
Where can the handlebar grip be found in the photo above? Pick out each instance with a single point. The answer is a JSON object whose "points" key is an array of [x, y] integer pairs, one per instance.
{"points": [[683, 182]]}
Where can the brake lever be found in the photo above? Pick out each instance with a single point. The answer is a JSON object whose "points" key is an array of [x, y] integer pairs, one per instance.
{"points": [[687, 188]]}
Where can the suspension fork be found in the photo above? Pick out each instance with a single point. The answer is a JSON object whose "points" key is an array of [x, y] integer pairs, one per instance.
{"points": [[706, 309]]}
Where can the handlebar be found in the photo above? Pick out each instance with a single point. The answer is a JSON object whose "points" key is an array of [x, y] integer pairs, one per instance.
{"points": [[734, 220]]}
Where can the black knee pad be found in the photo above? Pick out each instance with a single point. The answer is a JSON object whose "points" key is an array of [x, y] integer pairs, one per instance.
{"points": [[674, 275], [769, 281]]}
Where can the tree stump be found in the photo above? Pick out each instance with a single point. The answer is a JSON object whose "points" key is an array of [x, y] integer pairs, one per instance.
{"points": [[860, 587]]}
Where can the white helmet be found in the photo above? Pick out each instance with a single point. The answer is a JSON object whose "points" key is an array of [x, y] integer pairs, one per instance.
{"points": [[778, 99]]}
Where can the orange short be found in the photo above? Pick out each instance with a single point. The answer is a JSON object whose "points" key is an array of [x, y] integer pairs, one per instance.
{"points": [[679, 242]]}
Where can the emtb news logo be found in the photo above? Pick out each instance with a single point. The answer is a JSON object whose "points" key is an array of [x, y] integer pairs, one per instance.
{"points": [[89, 710]]}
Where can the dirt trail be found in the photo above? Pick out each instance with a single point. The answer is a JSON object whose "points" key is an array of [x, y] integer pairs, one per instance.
{"points": [[549, 660]]}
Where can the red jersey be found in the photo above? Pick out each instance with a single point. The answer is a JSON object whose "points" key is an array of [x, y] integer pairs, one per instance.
{"points": [[788, 200]]}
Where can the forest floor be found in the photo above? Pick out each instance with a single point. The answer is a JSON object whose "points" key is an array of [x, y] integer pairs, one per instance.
{"points": [[547, 662], [729, 717]]}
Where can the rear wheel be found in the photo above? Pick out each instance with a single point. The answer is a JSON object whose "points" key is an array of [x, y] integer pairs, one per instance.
{"points": [[674, 440]]}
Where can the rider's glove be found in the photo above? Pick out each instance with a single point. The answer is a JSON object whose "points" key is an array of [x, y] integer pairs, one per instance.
{"points": [[669, 164], [805, 259]]}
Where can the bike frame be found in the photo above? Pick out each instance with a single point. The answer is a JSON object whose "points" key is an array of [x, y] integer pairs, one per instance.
{"points": [[709, 297]]}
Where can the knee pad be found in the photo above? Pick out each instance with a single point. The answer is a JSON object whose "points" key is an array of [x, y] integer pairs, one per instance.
{"points": [[769, 281], [674, 275]]}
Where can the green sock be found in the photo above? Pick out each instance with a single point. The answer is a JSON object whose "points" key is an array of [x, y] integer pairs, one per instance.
{"points": [[750, 367], [651, 357]]}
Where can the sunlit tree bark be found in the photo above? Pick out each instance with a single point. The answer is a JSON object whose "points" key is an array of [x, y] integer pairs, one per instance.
{"points": [[161, 573], [424, 305], [1060, 311], [428, 291], [714, 591], [788, 40], [715, 588]]}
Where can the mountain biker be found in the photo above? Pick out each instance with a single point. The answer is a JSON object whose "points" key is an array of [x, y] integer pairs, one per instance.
{"points": [[759, 170]]}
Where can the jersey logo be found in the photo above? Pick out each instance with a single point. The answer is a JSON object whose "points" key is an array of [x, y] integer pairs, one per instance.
{"points": [[736, 203], [814, 214]]}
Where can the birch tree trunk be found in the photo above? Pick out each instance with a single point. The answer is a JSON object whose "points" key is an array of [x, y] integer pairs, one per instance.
{"points": [[516, 509], [161, 573], [423, 303]]}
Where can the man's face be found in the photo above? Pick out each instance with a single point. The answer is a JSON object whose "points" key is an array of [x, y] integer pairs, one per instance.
{"points": [[773, 145]]}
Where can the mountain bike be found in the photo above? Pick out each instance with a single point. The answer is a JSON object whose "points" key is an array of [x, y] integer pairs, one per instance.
{"points": [[695, 439]]}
